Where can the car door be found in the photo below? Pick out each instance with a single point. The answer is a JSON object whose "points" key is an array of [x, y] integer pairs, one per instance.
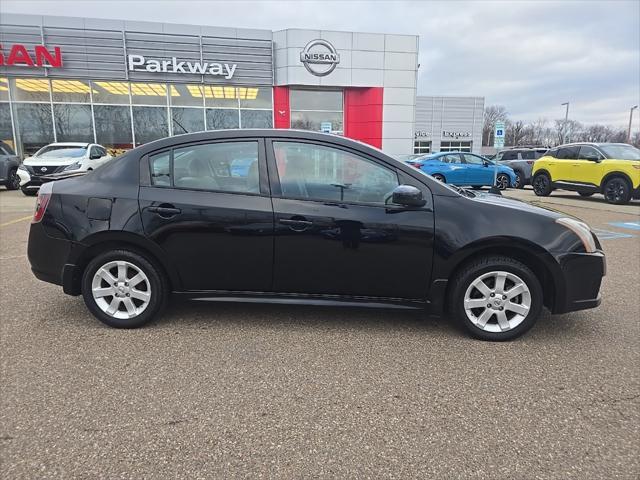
{"points": [[477, 170], [453, 168], [587, 167], [216, 228], [335, 231], [562, 168]]}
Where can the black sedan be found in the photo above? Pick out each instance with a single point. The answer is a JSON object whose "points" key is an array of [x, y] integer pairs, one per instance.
{"points": [[291, 216]]}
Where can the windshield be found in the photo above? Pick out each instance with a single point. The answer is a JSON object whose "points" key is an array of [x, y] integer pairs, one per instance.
{"points": [[60, 151], [621, 152]]}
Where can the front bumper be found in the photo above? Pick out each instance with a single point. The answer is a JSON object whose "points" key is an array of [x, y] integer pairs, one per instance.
{"points": [[582, 276]]}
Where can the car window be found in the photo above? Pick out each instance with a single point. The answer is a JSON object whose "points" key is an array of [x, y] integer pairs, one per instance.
{"points": [[224, 166], [61, 151], [3, 151], [473, 160], [528, 155], [568, 153], [319, 172], [510, 156], [589, 153], [101, 151], [94, 151], [453, 158], [160, 169], [621, 152]]}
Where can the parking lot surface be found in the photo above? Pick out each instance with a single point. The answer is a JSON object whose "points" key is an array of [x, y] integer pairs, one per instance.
{"points": [[221, 390]]}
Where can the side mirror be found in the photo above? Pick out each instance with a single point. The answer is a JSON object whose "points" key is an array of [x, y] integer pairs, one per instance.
{"points": [[95, 156], [407, 195]]}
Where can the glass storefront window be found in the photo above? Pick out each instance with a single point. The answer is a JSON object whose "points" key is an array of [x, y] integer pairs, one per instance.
{"points": [[187, 96], [256, 118], [220, 96], [222, 118], [30, 90], [34, 127], [110, 92], [151, 93], [324, 100], [76, 91], [6, 132], [313, 120], [4, 90], [187, 120], [422, 147], [113, 127], [455, 146], [73, 123], [255, 97], [149, 123]]}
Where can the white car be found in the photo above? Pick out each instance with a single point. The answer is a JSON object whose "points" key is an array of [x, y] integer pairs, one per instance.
{"points": [[58, 157]]}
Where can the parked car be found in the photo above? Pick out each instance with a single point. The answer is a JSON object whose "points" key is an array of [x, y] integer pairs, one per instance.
{"points": [[521, 161], [9, 163], [411, 156], [612, 169], [58, 157], [318, 219], [466, 169]]}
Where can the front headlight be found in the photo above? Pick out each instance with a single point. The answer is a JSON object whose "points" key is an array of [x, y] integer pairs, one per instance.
{"points": [[582, 230], [73, 166], [22, 167]]}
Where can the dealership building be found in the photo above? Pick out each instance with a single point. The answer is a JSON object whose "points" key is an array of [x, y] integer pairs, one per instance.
{"points": [[124, 83]]}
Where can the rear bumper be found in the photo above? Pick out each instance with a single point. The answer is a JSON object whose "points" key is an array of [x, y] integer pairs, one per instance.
{"points": [[47, 255], [582, 276]]}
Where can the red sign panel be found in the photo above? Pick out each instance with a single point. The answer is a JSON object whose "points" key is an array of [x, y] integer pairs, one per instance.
{"points": [[20, 56]]}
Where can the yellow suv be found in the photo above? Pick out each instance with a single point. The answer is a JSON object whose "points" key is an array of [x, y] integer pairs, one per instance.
{"points": [[612, 169]]}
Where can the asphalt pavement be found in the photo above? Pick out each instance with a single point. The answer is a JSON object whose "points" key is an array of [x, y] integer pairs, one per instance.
{"points": [[228, 390]]}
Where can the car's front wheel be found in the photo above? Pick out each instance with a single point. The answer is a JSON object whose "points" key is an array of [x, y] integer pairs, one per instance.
{"points": [[541, 185], [496, 298], [617, 190], [13, 180], [124, 289], [502, 181]]}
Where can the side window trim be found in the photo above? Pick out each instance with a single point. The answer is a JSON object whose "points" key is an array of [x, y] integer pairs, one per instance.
{"points": [[274, 178]]}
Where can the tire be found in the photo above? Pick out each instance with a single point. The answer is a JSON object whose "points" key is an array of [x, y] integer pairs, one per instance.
{"points": [[152, 286], [502, 181], [487, 269], [13, 180], [439, 177], [585, 194], [29, 193], [541, 185], [617, 191], [519, 180]]}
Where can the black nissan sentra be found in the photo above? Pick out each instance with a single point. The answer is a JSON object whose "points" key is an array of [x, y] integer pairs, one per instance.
{"points": [[292, 216]]}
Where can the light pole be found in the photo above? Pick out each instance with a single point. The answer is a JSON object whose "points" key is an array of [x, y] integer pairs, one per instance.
{"points": [[630, 119], [566, 119]]}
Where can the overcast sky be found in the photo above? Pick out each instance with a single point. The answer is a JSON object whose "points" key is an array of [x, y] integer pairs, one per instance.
{"points": [[528, 56]]}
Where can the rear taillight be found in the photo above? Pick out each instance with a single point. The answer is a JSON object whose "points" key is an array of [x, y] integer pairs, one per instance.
{"points": [[417, 165], [44, 195], [530, 162]]}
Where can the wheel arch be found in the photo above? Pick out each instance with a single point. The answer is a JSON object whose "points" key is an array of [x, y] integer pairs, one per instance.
{"points": [[613, 174], [541, 263], [104, 241]]}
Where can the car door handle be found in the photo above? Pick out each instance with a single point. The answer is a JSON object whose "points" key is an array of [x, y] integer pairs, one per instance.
{"points": [[165, 210], [296, 224]]}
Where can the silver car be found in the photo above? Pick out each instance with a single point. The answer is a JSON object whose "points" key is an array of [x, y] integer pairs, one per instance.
{"points": [[521, 160]]}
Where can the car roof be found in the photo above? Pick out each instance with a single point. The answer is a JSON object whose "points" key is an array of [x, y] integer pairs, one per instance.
{"points": [[69, 144]]}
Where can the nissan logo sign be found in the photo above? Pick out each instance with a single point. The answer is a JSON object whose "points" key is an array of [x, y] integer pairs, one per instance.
{"points": [[320, 58]]}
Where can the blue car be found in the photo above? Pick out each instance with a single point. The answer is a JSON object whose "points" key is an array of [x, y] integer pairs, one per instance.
{"points": [[464, 169]]}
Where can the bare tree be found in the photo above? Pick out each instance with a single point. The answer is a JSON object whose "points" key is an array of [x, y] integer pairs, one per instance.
{"points": [[515, 133], [492, 114]]}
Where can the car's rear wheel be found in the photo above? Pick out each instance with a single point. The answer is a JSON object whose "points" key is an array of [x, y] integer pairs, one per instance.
{"points": [[519, 180], [439, 177], [585, 194], [541, 185], [617, 190], [502, 181], [496, 298], [13, 180], [123, 289]]}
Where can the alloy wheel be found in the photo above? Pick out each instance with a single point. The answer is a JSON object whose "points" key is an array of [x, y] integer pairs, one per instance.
{"points": [[121, 289], [518, 180], [13, 181], [497, 301], [615, 191], [540, 185], [502, 182]]}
